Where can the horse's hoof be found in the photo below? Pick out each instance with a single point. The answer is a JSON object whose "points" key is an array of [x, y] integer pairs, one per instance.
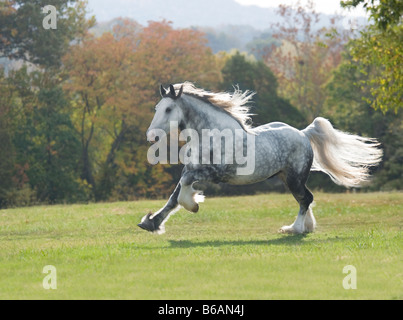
{"points": [[288, 230], [147, 223]]}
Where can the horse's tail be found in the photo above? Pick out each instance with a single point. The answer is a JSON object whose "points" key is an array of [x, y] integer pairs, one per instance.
{"points": [[345, 157]]}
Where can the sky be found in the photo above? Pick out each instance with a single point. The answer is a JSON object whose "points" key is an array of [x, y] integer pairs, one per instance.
{"points": [[323, 6]]}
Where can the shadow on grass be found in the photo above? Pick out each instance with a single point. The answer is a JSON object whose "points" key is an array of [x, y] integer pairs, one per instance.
{"points": [[290, 240]]}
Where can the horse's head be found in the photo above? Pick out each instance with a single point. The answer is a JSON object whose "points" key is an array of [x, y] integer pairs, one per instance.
{"points": [[167, 110]]}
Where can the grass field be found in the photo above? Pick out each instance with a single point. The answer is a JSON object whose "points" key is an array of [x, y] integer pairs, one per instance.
{"points": [[229, 250]]}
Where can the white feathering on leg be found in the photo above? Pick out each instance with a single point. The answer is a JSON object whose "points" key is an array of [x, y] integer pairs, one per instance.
{"points": [[310, 221]]}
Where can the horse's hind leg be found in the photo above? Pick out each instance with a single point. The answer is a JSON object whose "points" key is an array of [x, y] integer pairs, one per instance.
{"points": [[305, 221]]}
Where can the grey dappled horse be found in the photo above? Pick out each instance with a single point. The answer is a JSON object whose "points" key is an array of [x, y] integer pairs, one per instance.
{"points": [[278, 150]]}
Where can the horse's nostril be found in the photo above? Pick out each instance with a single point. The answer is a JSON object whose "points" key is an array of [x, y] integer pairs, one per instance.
{"points": [[151, 136]]}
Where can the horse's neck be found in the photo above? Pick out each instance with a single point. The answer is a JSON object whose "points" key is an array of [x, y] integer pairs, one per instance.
{"points": [[201, 115]]}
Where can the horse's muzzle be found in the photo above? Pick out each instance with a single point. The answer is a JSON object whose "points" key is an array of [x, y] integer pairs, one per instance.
{"points": [[151, 135]]}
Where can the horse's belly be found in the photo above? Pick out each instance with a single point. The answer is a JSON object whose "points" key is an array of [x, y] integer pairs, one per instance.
{"points": [[247, 179], [259, 173]]}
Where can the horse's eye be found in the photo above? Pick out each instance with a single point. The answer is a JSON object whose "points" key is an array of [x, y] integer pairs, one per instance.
{"points": [[168, 110]]}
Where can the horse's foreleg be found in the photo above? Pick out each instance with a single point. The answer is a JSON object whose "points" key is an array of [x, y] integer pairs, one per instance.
{"points": [[183, 196], [155, 222]]}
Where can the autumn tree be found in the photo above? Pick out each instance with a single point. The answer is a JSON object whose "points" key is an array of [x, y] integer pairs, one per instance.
{"points": [[39, 139], [380, 47], [303, 62], [48, 143], [39, 144], [168, 55], [22, 35], [7, 151]]}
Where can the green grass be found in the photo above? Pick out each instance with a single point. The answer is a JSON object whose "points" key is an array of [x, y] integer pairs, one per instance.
{"points": [[229, 250]]}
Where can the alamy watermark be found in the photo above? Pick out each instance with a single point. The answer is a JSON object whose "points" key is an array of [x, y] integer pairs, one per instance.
{"points": [[50, 21], [50, 281], [238, 148], [350, 281]]}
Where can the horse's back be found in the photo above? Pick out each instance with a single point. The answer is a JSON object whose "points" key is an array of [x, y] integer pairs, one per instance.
{"points": [[273, 126], [283, 142], [279, 130]]}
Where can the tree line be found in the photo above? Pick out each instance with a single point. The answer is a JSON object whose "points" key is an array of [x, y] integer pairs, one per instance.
{"points": [[73, 115]]}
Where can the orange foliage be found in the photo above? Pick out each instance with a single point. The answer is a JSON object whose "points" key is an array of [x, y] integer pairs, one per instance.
{"points": [[304, 62]]}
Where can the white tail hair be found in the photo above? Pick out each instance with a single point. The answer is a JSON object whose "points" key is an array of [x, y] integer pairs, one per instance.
{"points": [[345, 157]]}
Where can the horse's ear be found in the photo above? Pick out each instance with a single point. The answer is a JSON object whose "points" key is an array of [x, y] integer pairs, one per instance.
{"points": [[172, 91], [180, 92], [163, 92]]}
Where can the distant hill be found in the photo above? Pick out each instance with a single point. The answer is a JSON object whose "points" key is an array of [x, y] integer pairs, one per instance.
{"points": [[190, 13], [185, 13]]}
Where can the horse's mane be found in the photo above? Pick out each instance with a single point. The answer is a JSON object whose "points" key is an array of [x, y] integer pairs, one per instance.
{"points": [[235, 104]]}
